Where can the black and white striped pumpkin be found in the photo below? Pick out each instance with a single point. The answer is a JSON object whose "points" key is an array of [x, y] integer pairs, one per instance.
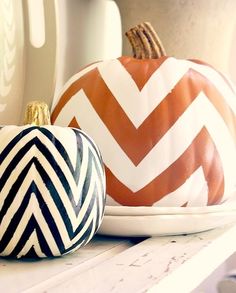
{"points": [[52, 190]]}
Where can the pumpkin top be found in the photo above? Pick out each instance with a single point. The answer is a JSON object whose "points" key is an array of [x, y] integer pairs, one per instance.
{"points": [[145, 42], [37, 113]]}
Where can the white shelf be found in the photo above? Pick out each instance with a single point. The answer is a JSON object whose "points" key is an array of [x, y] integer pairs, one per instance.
{"points": [[158, 264]]}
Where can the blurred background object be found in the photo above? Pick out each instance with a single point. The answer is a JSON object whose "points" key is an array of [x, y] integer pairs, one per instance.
{"points": [[196, 29], [228, 283], [11, 61], [43, 43], [88, 31]]}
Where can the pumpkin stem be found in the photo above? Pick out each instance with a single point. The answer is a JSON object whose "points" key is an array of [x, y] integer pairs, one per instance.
{"points": [[37, 113], [145, 42]]}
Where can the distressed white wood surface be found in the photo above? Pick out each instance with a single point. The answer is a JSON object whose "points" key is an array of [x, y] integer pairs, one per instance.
{"points": [[158, 264], [161, 264], [18, 275]]}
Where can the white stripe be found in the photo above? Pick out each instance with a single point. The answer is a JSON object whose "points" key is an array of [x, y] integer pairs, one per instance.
{"points": [[72, 80], [99, 170], [139, 104], [91, 139], [8, 133], [190, 192], [11, 133], [94, 212], [199, 114], [88, 199], [32, 209], [83, 169], [31, 242], [96, 171], [91, 217], [218, 81], [67, 138]]}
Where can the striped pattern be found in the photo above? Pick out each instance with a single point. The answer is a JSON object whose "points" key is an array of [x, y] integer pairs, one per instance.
{"points": [[52, 190], [167, 132]]}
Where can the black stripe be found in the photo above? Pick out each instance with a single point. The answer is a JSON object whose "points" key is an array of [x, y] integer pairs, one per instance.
{"points": [[14, 142], [83, 239], [31, 226], [59, 147], [20, 212], [78, 132]]}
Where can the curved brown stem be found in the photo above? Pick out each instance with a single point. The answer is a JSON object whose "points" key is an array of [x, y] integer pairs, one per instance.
{"points": [[37, 113], [145, 42]]}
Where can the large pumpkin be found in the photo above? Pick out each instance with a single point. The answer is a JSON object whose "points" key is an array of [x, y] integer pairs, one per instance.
{"points": [[52, 189], [166, 127]]}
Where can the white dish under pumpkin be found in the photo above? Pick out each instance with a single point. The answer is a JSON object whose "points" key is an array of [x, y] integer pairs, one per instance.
{"points": [[164, 224], [148, 211], [161, 221]]}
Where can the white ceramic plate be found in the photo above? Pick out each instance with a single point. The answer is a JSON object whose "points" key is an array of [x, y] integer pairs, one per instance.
{"points": [[162, 225], [148, 211]]}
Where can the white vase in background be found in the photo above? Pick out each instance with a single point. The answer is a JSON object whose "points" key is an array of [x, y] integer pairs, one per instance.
{"points": [[88, 31], [43, 43], [102, 27]]}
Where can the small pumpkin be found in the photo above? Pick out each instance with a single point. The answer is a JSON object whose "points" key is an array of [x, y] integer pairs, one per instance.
{"points": [[52, 187], [166, 127]]}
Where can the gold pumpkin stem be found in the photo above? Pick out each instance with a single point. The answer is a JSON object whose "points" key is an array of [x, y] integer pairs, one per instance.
{"points": [[37, 113], [145, 42]]}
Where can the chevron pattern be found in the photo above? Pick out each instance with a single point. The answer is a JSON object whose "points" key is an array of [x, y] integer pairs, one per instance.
{"points": [[52, 190], [171, 127]]}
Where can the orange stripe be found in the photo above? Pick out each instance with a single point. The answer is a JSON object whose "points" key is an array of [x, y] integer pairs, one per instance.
{"points": [[137, 143], [202, 152], [148, 67]]}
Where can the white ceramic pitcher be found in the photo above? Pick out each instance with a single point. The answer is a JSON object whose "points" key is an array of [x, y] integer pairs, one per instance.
{"points": [[43, 43]]}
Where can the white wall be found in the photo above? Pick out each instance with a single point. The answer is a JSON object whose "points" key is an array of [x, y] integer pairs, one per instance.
{"points": [[11, 61], [189, 28], [75, 33]]}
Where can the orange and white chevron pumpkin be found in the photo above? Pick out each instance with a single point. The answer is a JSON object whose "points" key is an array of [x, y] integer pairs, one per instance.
{"points": [[166, 127]]}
